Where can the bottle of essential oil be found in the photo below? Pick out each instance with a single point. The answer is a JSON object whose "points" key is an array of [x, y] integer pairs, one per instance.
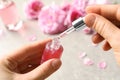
{"points": [[53, 49]]}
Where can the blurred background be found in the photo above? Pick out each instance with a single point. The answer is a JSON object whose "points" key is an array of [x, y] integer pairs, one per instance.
{"points": [[75, 43]]}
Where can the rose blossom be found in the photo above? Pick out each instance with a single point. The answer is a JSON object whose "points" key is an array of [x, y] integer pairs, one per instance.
{"points": [[72, 15], [51, 19], [33, 8]]}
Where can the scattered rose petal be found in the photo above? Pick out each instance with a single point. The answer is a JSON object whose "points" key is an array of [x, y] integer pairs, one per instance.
{"points": [[82, 55], [33, 8], [102, 65], [88, 30], [32, 38], [1, 32], [88, 61], [51, 19]]}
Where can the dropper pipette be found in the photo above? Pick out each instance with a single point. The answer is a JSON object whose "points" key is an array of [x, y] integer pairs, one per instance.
{"points": [[75, 25]]}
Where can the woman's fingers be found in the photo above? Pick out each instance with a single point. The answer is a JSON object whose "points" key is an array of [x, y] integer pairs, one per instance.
{"points": [[110, 12], [106, 46], [102, 26], [96, 38], [44, 70], [29, 65], [29, 51]]}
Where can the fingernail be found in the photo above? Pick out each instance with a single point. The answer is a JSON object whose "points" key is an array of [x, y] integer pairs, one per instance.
{"points": [[56, 63], [90, 19]]}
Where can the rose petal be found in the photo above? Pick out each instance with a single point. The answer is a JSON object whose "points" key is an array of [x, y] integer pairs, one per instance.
{"points": [[81, 5], [88, 30], [32, 38], [82, 55], [66, 7], [88, 61], [1, 32], [102, 65]]}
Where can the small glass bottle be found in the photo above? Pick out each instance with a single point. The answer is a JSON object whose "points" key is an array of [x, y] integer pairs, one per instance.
{"points": [[9, 14], [53, 49]]}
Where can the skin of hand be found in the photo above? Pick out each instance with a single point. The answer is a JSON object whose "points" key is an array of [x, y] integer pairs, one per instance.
{"points": [[105, 20], [24, 64]]}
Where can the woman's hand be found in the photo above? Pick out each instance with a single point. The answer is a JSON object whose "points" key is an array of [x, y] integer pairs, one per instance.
{"points": [[24, 64], [105, 20]]}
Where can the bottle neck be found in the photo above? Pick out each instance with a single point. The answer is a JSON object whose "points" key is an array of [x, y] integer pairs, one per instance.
{"points": [[54, 45]]}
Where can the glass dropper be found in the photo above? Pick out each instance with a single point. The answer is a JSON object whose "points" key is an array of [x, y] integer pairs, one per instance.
{"points": [[75, 25]]}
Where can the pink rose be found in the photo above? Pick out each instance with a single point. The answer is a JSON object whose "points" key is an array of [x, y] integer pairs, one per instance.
{"points": [[33, 8], [80, 5], [74, 11], [51, 19], [72, 15]]}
